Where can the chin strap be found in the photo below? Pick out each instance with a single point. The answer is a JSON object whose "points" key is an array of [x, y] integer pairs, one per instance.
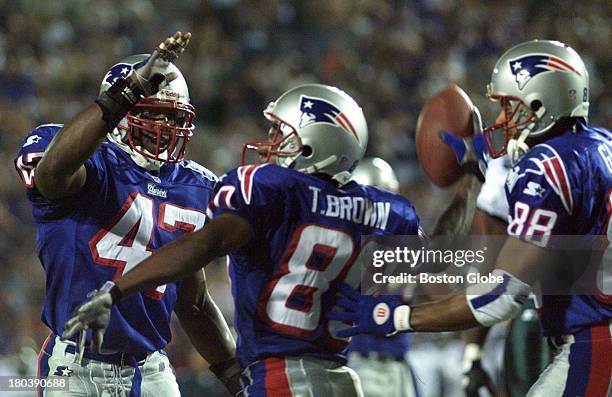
{"points": [[341, 177], [147, 164], [141, 161], [517, 148], [318, 167]]}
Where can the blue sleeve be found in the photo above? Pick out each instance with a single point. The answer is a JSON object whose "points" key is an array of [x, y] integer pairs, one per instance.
{"points": [[30, 153], [542, 193], [411, 220], [253, 192], [403, 218]]}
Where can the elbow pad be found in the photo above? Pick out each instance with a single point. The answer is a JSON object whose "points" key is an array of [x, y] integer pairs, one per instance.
{"points": [[492, 303]]}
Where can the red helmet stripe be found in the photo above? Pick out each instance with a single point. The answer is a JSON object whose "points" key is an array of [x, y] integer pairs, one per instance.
{"points": [[563, 63], [346, 124]]}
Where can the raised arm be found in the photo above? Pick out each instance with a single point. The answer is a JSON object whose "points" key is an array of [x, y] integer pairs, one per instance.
{"points": [[61, 172], [523, 263]]}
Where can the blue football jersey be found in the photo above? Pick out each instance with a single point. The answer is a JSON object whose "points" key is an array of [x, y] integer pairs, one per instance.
{"points": [[563, 187], [121, 216], [306, 235]]}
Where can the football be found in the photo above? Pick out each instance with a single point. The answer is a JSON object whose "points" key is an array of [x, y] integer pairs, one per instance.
{"points": [[448, 110]]}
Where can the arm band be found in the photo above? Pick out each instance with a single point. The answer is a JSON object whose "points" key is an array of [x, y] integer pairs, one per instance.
{"points": [[491, 303], [401, 318], [113, 290]]}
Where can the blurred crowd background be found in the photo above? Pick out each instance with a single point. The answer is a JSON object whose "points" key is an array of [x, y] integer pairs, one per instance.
{"points": [[389, 55]]}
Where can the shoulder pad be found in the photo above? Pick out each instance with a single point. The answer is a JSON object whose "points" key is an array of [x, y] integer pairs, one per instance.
{"points": [[545, 162]]}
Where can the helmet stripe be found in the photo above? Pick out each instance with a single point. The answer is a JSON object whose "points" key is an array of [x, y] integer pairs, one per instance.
{"points": [[562, 62], [344, 119]]}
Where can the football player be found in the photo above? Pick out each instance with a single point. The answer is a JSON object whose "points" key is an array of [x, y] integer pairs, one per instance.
{"points": [[108, 189], [291, 227], [526, 352], [560, 185], [381, 362]]}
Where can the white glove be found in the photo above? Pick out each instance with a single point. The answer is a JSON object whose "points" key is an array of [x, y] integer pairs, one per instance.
{"points": [[94, 314], [156, 70]]}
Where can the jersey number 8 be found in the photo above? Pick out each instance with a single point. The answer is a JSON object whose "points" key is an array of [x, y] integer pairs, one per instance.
{"points": [[315, 257]]}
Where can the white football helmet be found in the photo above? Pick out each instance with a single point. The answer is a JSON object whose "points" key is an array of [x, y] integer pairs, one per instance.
{"points": [[157, 129], [537, 83], [374, 171], [317, 129]]}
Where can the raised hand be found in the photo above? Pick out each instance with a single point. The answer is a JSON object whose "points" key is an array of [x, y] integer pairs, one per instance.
{"points": [[155, 71], [471, 152]]}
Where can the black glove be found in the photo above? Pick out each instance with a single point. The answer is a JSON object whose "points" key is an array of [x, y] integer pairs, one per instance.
{"points": [[145, 81], [229, 372], [474, 376]]}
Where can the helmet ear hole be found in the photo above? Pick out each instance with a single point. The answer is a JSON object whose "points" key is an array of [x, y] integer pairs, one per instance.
{"points": [[306, 151], [535, 105]]}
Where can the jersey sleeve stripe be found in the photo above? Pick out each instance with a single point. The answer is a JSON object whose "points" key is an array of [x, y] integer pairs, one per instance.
{"points": [[564, 182], [557, 177], [225, 193], [25, 166], [209, 212], [246, 174]]}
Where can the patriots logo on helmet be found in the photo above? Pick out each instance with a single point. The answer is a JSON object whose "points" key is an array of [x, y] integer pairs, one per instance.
{"points": [[121, 70], [317, 110], [528, 66]]}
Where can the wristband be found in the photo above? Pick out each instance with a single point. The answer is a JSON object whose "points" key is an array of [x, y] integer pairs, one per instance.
{"points": [[401, 318], [113, 290], [228, 372], [118, 100]]}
